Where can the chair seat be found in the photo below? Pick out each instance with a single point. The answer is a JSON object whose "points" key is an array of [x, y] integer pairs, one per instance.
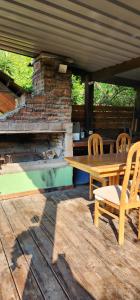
{"points": [[110, 193]]}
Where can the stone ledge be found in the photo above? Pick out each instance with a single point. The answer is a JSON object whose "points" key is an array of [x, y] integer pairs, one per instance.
{"points": [[10, 127], [32, 165]]}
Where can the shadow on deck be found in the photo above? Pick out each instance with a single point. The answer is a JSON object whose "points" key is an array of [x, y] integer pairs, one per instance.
{"points": [[50, 249]]}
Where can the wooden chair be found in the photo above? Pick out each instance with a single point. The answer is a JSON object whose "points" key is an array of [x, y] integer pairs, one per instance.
{"points": [[95, 147], [124, 197], [123, 143]]}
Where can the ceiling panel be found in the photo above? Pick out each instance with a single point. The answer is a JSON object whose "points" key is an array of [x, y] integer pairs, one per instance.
{"points": [[132, 74], [95, 34]]}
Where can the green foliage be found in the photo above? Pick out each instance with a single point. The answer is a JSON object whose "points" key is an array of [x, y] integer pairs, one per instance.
{"points": [[77, 91], [5, 62], [109, 94], [16, 66], [104, 94]]}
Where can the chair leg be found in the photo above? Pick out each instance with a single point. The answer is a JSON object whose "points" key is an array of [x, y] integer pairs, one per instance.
{"points": [[139, 225], [103, 182], [121, 226], [127, 211], [91, 188], [96, 214]]}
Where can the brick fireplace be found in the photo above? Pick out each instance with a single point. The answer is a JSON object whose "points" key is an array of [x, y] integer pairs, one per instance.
{"points": [[38, 136]]}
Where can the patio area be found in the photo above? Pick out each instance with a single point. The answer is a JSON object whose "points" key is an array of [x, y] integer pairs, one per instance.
{"points": [[50, 249], [49, 246]]}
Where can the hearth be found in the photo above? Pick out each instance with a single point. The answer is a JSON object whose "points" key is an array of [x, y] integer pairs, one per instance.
{"points": [[22, 157], [18, 147], [35, 139]]}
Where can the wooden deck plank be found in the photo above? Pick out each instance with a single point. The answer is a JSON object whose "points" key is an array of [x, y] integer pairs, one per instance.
{"points": [[7, 288], [71, 213], [97, 256], [48, 284], [74, 256], [17, 263], [102, 247], [44, 237], [118, 259], [73, 261]]}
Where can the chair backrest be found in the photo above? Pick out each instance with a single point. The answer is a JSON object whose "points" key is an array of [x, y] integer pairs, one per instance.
{"points": [[95, 144], [131, 180], [123, 143]]}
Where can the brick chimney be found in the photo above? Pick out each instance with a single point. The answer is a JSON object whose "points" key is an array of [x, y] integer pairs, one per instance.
{"points": [[48, 109], [52, 92]]}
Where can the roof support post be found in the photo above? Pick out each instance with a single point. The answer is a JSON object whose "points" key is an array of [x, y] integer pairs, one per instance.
{"points": [[137, 110], [89, 95]]}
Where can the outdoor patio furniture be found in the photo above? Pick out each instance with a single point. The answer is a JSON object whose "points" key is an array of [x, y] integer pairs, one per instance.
{"points": [[123, 142], [83, 143], [110, 165], [122, 198], [95, 147]]}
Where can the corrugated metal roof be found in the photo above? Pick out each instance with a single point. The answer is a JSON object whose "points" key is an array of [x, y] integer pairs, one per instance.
{"points": [[94, 33]]}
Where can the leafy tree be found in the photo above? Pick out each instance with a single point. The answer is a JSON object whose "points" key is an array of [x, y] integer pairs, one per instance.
{"points": [[104, 94], [17, 66], [5, 62], [77, 90], [109, 94]]}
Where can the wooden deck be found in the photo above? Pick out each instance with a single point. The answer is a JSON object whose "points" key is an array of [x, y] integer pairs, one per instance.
{"points": [[50, 249]]}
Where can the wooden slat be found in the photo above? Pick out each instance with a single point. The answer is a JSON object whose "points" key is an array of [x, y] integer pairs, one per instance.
{"points": [[108, 113], [104, 116], [17, 262], [105, 108], [111, 125], [92, 257], [45, 237], [84, 258], [81, 275], [7, 288], [36, 261], [104, 74]]}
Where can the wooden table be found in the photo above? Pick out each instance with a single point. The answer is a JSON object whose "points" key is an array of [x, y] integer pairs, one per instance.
{"points": [[84, 143], [102, 166]]}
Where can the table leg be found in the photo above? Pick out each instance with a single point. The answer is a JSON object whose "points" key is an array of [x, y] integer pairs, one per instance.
{"points": [[111, 147], [114, 180]]}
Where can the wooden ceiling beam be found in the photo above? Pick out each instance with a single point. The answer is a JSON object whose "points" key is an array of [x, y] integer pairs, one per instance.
{"points": [[117, 80], [122, 81], [109, 72], [9, 82]]}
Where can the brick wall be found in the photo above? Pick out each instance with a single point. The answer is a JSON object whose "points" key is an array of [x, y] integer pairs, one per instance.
{"points": [[47, 110], [42, 108], [51, 100]]}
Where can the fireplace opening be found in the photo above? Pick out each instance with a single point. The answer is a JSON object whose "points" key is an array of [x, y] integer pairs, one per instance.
{"points": [[19, 147], [22, 157]]}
